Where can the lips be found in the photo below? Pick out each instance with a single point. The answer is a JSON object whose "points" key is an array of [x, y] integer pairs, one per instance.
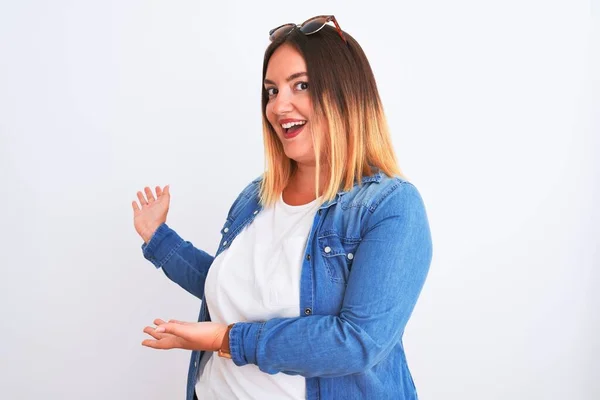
{"points": [[294, 133], [288, 120], [291, 127]]}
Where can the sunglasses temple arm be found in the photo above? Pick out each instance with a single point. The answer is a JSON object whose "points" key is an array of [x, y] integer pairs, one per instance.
{"points": [[339, 29]]}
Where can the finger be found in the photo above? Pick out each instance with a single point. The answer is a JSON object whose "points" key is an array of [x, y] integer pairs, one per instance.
{"points": [[158, 191], [158, 321], [156, 344], [175, 321], [149, 194], [141, 198], [168, 190], [182, 331], [134, 204], [152, 332], [168, 342]]}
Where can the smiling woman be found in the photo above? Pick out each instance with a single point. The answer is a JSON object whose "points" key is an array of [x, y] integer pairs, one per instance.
{"points": [[322, 257], [289, 106], [326, 80]]}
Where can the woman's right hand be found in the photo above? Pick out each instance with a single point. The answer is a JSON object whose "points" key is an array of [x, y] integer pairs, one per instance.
{"points": [[153, 211]]}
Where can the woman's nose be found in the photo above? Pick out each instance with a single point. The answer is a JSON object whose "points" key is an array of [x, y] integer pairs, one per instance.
{"points": [[282, 104]]}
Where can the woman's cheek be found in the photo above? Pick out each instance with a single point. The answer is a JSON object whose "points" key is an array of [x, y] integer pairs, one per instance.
{"points": [[269, 109]]}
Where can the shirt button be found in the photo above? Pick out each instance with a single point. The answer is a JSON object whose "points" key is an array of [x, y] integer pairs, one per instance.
{"points": [[327, 249], [350, 256], [307, 311], [320, 212], [226, 230], [308, 257], [195, 364], [255, 212], [225, 243]]}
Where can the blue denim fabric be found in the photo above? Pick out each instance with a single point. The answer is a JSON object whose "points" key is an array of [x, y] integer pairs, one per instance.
{"points": [[367, 258]]}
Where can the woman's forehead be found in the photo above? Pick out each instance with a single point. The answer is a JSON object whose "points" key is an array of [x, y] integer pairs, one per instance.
{"points": [[286, 60]]}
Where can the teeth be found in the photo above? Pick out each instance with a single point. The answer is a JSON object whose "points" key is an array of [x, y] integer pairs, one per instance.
{"points": [[290, 124]]}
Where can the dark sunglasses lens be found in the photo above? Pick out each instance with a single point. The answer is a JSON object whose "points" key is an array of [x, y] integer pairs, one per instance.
{"points": [[281, 31], [313, 25]]}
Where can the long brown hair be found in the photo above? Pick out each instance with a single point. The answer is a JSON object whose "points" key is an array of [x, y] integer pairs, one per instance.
{"points": [[346, 101]]}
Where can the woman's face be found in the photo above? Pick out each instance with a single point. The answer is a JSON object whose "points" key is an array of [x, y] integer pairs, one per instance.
{"points": [[289, 109]]}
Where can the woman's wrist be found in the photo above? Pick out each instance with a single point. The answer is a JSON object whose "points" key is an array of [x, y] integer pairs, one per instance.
{"points": [[224, 349], [148, 233]]}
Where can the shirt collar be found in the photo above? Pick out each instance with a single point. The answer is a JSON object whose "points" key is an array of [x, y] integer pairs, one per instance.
{"points": [[376, 177]]}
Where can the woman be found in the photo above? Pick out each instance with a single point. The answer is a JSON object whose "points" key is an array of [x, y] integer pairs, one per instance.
{"points": [[322, 258]]}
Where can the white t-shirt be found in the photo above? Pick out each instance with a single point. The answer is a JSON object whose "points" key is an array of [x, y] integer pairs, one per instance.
{"points": [[257, 278]]}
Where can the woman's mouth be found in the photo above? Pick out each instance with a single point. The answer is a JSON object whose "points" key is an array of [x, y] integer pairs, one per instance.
{"points": [[293, 130]]}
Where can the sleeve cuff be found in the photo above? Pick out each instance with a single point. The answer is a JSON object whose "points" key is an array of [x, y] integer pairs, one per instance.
{"points": [[161, 246], [243, 340]]}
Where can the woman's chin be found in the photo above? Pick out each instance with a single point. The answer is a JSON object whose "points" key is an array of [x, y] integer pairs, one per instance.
{"points": [[305, 159]]}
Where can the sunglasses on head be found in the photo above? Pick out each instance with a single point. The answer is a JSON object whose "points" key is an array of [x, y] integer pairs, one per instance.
{"points": [[308, 27]]}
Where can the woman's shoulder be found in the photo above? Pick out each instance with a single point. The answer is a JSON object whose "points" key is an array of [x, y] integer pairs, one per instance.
{"points": [[252, 188], [373, 191], [381, 189]]}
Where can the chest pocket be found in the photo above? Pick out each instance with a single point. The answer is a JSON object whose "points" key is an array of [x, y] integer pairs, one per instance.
{"points": [[338, 253]]}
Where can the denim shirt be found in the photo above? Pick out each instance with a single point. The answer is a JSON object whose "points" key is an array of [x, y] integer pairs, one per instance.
{"points": [[367, 257]]}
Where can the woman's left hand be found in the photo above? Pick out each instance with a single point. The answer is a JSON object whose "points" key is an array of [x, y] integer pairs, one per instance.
{"points": [[174, 334]]}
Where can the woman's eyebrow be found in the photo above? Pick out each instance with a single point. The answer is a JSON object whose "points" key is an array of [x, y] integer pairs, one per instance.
{"points": [[289, 78]]}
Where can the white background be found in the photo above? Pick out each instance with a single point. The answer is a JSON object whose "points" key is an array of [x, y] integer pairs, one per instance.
{"points": [[494, 119]]}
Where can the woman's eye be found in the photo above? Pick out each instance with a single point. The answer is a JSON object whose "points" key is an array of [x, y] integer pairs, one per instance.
{"points": [[271, 91], [302, 85]]}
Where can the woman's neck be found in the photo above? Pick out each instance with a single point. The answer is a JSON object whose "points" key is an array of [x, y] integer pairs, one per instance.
{"points": [[301, 186]]}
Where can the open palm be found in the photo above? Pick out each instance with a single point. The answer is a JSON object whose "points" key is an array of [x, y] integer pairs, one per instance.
{"points": [[206, 336], [151, 212]]}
